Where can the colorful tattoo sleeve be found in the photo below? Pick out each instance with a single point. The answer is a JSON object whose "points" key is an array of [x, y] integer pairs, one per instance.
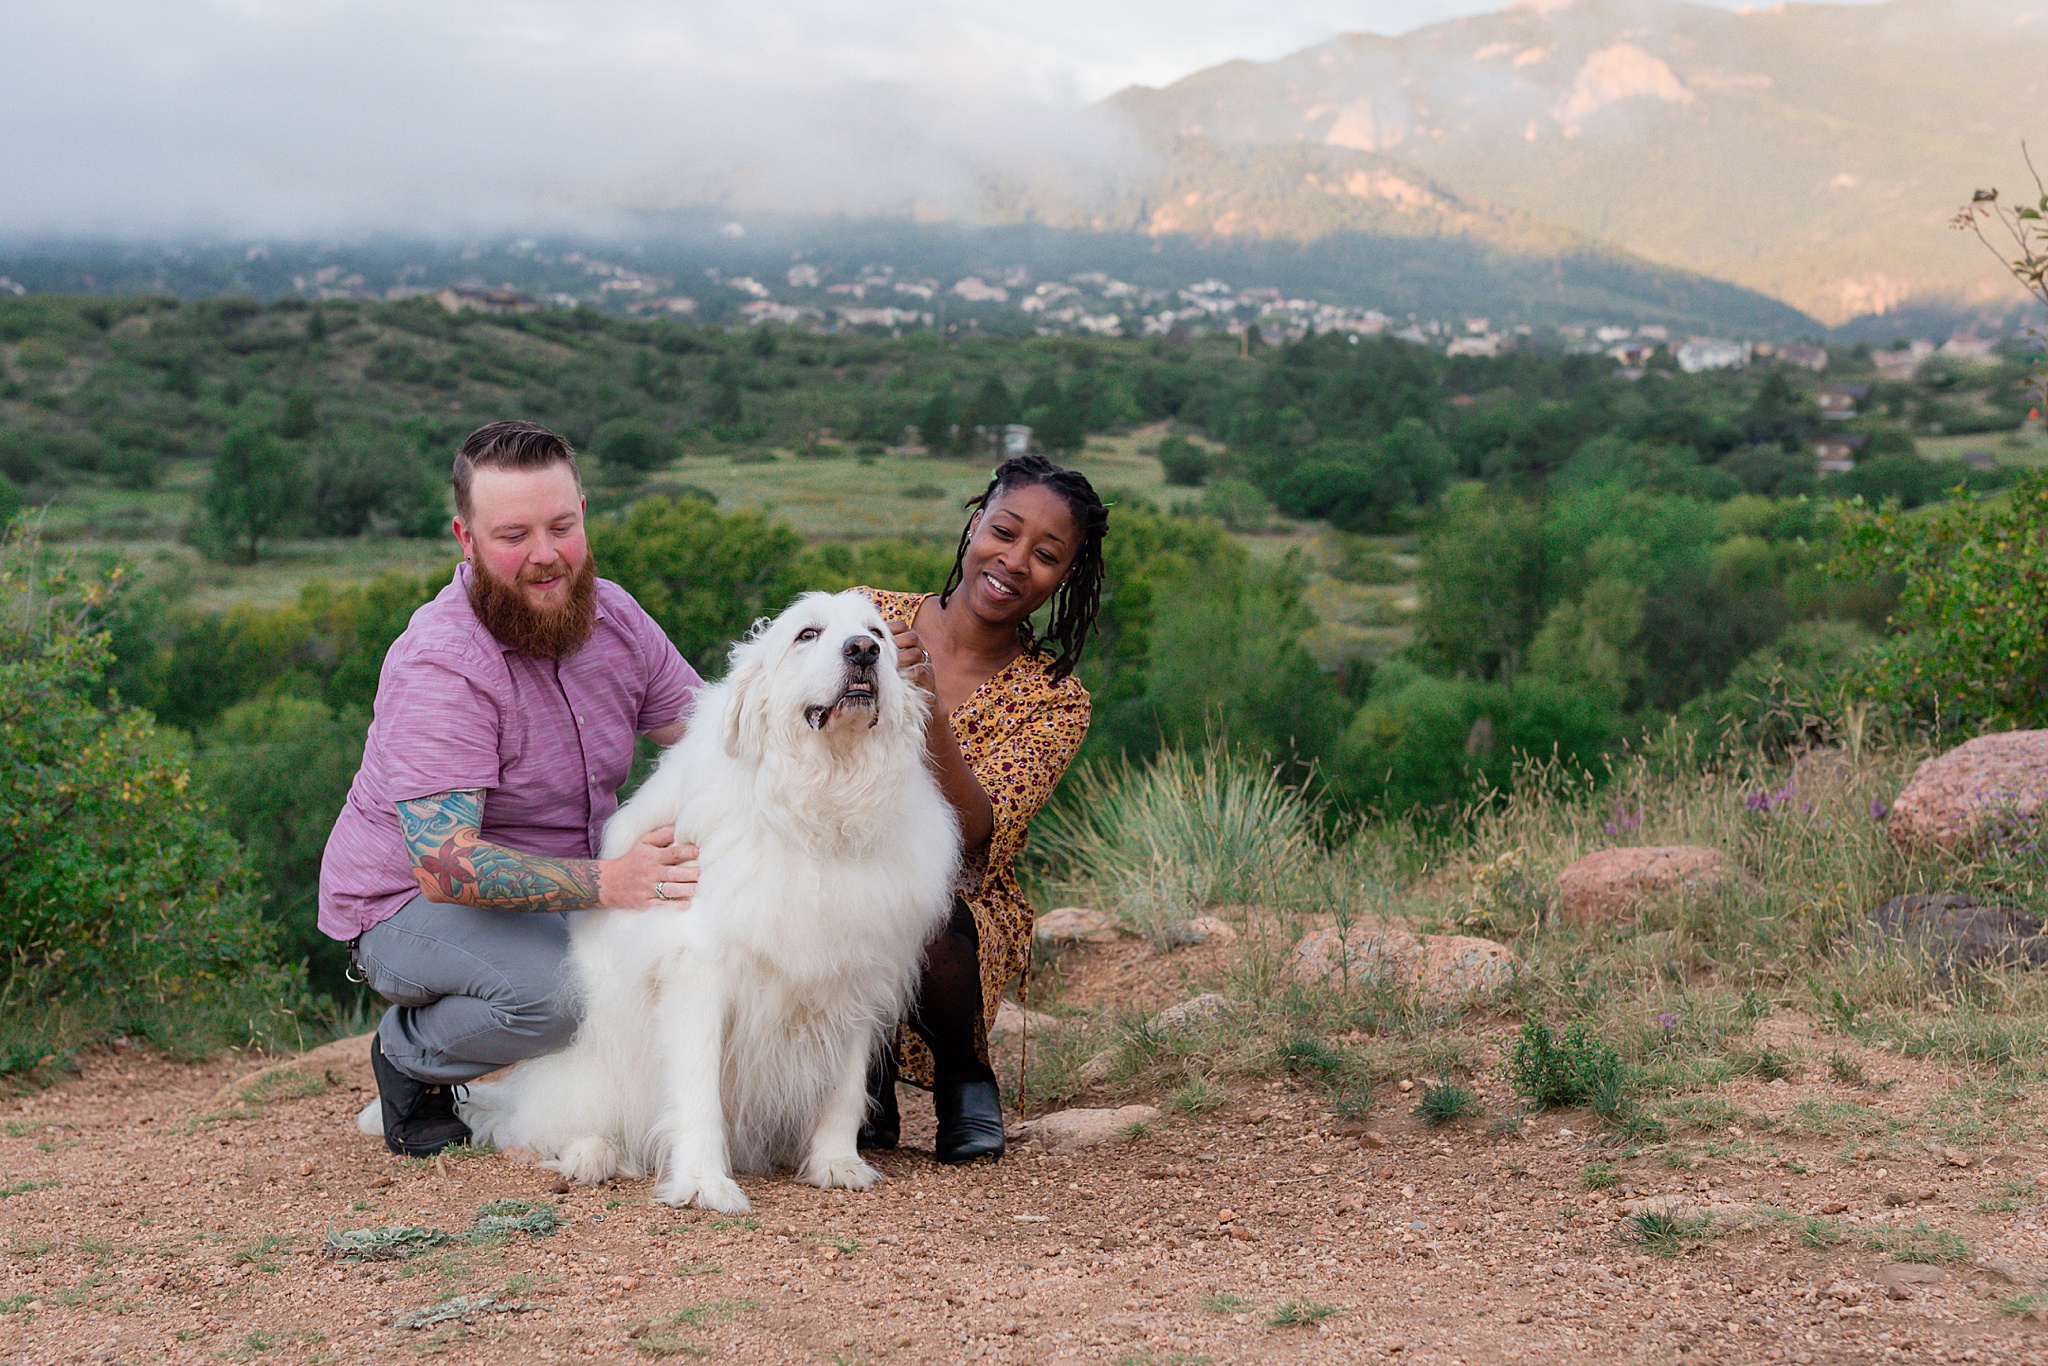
{"points": [[454, 864]]}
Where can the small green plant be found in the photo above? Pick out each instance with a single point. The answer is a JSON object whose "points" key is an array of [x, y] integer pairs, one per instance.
{"points": [[1765, 1063], [1301, 1314], [262, 1254], [500, 1219], [1307, 1056], [742, 1222], [1919, 1242], [1574, 1068], [2022, 1304], [1352, 1102], [1223, 1302], [1847, 1070], [1663, 1233], [1598, 1176], [1446, 1102], [1197, 1095], [1136, 1132], [23, 1188], [1819, 1234]]}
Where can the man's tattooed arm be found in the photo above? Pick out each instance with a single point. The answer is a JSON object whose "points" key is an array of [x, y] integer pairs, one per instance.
{"points": [[454, 864]]}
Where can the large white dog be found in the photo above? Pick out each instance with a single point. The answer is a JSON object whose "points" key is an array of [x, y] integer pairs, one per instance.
{"points": [[736, 1034]]}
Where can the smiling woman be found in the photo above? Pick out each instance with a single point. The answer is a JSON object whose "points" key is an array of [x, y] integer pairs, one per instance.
{"points": [[1007, 719]]}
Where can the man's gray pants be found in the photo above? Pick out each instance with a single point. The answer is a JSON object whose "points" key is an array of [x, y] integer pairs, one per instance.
{"points": [[471, 990]]}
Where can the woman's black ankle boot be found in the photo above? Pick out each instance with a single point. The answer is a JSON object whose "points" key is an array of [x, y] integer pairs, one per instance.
{"points": [[970, 1117], [883, 1127]]}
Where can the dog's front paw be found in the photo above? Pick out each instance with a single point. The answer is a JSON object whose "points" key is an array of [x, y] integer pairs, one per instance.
{"points": [[846, 1173], [712, 1192], [587, 1160]]}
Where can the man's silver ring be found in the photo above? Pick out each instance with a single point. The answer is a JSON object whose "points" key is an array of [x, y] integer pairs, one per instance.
{"points": [[660, 894], [924, 656]]}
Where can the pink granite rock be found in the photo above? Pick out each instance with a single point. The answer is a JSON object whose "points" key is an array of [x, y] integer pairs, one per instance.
{"points": [[1613, 884], [1972, 791]]}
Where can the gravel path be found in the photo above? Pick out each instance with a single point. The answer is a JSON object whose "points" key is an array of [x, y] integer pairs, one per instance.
{"points": [[143, 1222]]}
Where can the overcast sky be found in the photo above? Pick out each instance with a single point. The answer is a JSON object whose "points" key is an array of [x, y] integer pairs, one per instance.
{"points": [[315, 116]]}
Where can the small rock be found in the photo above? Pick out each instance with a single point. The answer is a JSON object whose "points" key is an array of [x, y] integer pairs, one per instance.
{"points": [[1369, 1139], [1910, 1273], [1074, 925], [1896, 1198], [1068, 1130], [1835, 1207], [1012, 1020], [1958, 931], [1097, 1068], [1225, 1216], [1406, 1086], [1897, 1292], [1207, 1008], [1955, 1157], [1979, 787], [559, 1186], [1203, 929], [1257, 1116], [1446, 969], [2003, 1269], [1612, 885], [1845, 1293], [306, 1167]]}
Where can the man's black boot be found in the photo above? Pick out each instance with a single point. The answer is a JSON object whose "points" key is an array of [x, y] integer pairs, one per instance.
{"points": [[419, 1117], [883, 1127], [970, 1117]]}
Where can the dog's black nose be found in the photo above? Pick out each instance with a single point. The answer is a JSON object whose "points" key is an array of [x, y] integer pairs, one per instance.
{"points": [[861, 650]]}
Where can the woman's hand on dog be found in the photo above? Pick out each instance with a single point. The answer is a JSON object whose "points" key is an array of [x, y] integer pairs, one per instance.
{"points": [[655, 872], [912, 661]]}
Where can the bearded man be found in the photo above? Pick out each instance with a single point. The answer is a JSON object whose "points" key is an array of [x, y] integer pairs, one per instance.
{"points": [[505, 724]]}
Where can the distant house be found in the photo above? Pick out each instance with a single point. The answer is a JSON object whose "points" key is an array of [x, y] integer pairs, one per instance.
{"points": [[455, 298], [1474, 346], [1633, 354], [1903, 363], [1016, 440], [1838, 402], [1970, 348], [976, 290], [1837, 454], [802, 276], [1814, 358], [1711, 353]]}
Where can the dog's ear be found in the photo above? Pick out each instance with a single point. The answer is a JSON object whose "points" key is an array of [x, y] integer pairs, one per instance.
{"points": [[746, 712]]}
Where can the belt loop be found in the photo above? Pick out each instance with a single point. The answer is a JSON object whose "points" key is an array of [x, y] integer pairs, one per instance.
{"points": [[354, 971]]}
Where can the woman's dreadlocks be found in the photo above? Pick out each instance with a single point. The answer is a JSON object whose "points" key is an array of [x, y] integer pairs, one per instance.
{"points": [[1079, 597]]}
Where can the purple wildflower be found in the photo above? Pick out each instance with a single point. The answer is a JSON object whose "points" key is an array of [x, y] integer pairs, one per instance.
{"points": [[1623, 819], [1668, 1021]]}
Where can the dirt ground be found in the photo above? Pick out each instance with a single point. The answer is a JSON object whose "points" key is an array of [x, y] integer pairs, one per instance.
{"points": [[147, 1214]]}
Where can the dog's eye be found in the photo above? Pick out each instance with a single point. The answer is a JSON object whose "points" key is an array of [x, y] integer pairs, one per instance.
{"points": [[808, 633]]}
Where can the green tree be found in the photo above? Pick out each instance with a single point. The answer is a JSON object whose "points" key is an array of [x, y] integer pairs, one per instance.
{"points": [[1482, 583], [257, 490], [363, 479], [123, 907], [1185, 464], [278, 770], [298, 420], [1974, 607], [705, 576]]}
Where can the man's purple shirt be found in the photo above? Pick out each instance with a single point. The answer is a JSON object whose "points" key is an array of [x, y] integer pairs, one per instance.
{"points": [[549, 743]]}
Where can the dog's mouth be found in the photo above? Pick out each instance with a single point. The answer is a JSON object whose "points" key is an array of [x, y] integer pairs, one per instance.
{"points": [[859, 694]]}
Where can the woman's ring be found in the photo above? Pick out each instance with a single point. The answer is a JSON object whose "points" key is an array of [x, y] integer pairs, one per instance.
{"points": [[924, 657], [660, 894]]}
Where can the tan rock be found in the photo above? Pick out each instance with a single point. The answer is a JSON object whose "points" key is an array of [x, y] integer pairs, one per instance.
{"points": [[1203, 929], [1207, 1008], [1074, 925], [1910, 1273], [1444, 968], [1614, 884], [1012, 1020], [1067, 1130], [1956, 798]]}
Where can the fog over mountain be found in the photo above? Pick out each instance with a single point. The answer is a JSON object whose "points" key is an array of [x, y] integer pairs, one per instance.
{"points": [[1809, 152]]}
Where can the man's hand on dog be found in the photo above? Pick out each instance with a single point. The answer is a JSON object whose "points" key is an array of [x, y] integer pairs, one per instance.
{"points": [[657, 872], [911, 659]]}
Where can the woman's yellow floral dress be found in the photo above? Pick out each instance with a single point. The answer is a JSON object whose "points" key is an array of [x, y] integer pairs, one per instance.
{"points": [[1018, 732]]}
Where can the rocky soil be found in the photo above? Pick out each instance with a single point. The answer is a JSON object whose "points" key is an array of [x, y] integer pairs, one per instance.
{"points": [[147, 1213]]}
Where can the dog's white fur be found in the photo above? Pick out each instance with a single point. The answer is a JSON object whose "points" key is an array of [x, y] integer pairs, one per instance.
{"points": [[736, 1034]]}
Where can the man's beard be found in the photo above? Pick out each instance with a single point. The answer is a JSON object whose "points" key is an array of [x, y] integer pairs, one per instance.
{"points": [[543, 632]]}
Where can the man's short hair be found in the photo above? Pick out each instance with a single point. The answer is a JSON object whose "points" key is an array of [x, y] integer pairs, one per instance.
{"points": [[511, 445]]}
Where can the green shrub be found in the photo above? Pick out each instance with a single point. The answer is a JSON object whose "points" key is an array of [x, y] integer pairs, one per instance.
{"points": [[1574, 1068], [123, 906], [1186, 464], [1446, 1102]]}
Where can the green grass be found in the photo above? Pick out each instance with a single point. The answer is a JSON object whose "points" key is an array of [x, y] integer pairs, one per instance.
{"points": [[23, 1188], [1446, 1103], [1224, 1302], [1598, 1176], [1663, 1233], [262, 1253], [1301, 1314]]}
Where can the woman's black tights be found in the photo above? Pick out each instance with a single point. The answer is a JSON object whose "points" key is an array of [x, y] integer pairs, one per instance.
{"points": [[948, 1010]]}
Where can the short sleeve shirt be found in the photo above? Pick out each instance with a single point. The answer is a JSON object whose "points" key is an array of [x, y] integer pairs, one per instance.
{"points": [[548, 742]]}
